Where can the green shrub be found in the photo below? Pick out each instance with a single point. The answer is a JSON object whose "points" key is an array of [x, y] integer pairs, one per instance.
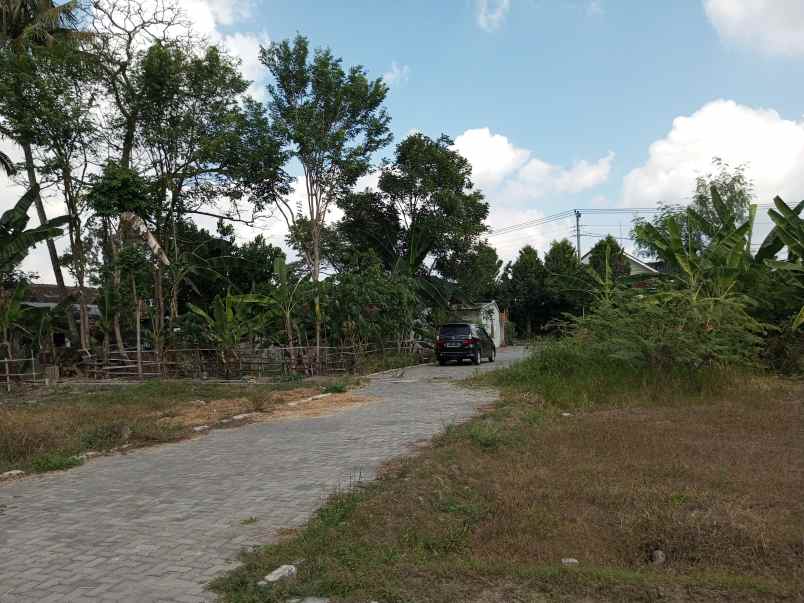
{"points": [[485, 434], [54, 461], [671, 330], [335, 388], [104, 436]]}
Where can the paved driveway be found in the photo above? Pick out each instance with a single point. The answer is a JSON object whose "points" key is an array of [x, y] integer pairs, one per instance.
{"points": [[157, 524]]}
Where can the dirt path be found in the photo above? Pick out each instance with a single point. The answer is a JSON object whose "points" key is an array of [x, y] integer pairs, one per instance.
{"points": [[157, 524]]}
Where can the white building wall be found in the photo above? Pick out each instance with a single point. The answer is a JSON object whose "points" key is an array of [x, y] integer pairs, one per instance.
{"points": [[489, 317]]}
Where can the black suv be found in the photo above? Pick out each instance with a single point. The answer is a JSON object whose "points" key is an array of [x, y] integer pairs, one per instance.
{"points": [[463, 340]]}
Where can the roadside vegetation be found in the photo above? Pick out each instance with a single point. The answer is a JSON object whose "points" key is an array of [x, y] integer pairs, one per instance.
{"points": [[644, 452], [49, 429], [705, 471]]}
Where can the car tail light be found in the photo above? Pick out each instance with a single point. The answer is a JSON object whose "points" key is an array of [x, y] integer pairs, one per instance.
{"points": [[439, 343]]}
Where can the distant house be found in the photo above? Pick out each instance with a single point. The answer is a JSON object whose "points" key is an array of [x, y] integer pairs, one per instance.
{"points": [[637, 266], [48, 297], [486, 314]]}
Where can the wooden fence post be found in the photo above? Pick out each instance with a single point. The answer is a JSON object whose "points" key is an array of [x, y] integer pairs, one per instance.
{"points": [[139, 342]]}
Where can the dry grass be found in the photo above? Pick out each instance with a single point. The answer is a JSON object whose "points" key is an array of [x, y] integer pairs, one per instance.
{"points": [[486, 514], [47, 431]]}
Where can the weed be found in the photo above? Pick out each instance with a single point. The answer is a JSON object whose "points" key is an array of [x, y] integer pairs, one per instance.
{"points": [[488, 511], [67, 420], [248, 521], [335, 388], [104, 436], [485, 434], [54, 461]]}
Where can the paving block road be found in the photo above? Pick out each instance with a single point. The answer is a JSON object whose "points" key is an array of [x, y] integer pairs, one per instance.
{"points": [[158, 523]]}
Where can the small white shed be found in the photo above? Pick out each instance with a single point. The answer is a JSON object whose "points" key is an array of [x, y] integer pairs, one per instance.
{"points": [[486, 314]]}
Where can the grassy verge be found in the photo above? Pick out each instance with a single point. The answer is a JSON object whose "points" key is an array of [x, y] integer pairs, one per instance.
{"points": [[48, 430], [391, 360], [705, 467]]}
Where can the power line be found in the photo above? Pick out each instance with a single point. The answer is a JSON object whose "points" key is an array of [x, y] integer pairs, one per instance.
{"points": [[591, 211]]}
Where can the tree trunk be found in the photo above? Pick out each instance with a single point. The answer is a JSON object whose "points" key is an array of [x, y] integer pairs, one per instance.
{"points": [[51, 245], [316, 267], [77, 249], [289, 329], [116, 282]]}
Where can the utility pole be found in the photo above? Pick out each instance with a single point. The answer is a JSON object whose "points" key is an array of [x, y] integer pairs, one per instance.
{"points": [[578, 232]]}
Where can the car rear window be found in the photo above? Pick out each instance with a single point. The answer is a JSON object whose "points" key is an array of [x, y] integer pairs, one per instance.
{"points": [[454, 331]]}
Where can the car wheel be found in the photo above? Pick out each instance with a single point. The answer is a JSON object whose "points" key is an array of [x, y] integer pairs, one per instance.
{"points": [[442, 361], [493, 355], [476, 358]]}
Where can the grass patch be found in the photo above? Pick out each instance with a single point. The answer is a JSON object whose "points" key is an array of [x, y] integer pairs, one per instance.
{"points": [[563, 376], [336, 388], [52, 425], [391, 360], [54, 462], [704, 467]]}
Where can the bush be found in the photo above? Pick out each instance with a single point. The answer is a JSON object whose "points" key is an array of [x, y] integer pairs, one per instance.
{"points": [[671, 330], [54, 461], [635, 349], [335, 388], [104, 436]]}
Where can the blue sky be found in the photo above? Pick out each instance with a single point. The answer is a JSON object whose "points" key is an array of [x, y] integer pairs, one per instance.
{"points": [[562, 104], [557, 103]]}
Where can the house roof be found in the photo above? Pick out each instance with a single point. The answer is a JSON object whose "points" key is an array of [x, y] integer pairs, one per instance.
{"points": [[475, 306], [50, 294], [646, 267]]}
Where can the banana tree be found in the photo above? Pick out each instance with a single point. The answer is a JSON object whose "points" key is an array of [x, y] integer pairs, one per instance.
{"points": [[788, 231], [283, 298], [15, 239], [715, 270], [227, 325], [12, 312]]}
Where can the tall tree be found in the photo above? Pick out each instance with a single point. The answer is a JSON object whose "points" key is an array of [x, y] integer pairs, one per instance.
{"points": [[527, 291], [565, 281], [123, 30], [608, 251], [426, 209], [64, 130], [332, 121], [475, 272], [188, 106], [28, 28]]}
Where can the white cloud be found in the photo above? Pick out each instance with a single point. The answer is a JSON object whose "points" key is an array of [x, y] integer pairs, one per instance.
{"points": [[490, 14], [398, 74], [771, 147], [771, 26], [492, 156], [514, 182], [582, 175], [207, 17], [246, 47], [499, 165]]}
